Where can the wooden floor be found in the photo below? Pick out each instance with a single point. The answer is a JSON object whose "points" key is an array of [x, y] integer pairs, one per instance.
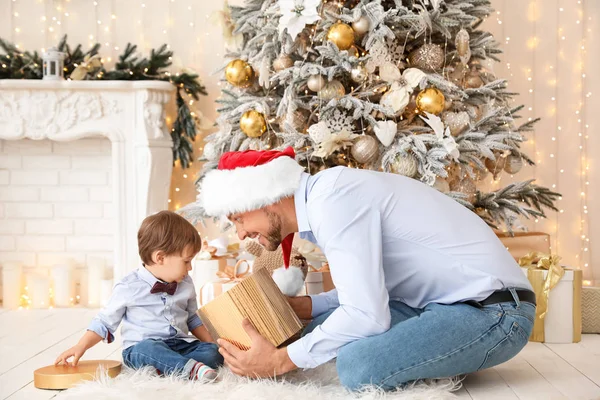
{"points": [[30, 339]]}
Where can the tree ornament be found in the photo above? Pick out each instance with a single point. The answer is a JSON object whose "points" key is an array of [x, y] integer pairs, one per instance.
{"points": [[480, 174], [473, 80], [296, 14], [405, 164], [495, 166], [342, 35], [282, 62], [253, 124], [331, 7], [462, 46], [431, 100], [332, 90], [456, 121], [365, 149], [315, 82], [429, 57], [210, 152], [513, 164], [466, 185], [457, 74], [361, 26], [239, 73], [441, 185], [385, 132], [359, 74], [353, 51], [298, 120]]}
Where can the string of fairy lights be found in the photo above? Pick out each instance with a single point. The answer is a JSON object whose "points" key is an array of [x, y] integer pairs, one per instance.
{"points": [[58, 17]]}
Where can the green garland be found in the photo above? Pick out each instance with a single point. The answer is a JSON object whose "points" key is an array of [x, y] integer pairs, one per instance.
{"points": [[17, 64]]}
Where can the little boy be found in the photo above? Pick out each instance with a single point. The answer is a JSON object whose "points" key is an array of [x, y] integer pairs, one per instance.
{"points": [[157, 305]]}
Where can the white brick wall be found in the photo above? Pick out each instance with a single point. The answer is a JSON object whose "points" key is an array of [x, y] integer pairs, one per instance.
{"points": [[55, 201]]}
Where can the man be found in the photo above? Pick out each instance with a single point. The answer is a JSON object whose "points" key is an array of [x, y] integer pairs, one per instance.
{"points": [[424, 288]]}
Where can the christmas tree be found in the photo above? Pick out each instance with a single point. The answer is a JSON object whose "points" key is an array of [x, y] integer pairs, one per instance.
{"points": [[402, 86]]}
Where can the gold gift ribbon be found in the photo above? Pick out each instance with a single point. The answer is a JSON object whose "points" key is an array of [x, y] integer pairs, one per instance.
{"points": [[536, 261], [324, 268], [230, 274]]}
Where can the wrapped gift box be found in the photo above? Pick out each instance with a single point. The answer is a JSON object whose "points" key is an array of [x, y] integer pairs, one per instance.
{"points": [[562, 321], [590, 307], [257, 298], [523, 243], [319, 281], [222, 280]]}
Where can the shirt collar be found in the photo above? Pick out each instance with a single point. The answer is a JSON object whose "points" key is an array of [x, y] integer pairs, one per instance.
{"points": [[300, 203], [147, 276]]}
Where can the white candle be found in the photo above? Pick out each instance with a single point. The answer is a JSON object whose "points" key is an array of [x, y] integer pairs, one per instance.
{"points": [[106, 286], [39, 291], [11, 284], [96, 270], [63, 285]]}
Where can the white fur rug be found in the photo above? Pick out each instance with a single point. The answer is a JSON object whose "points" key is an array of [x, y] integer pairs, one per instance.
{"points": [[318, 383]]}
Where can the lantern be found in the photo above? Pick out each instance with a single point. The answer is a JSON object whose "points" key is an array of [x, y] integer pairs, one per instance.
{"points": [[53, 64]]}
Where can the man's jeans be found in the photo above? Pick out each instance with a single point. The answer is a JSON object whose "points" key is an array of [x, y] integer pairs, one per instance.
{"points": [[434, 342], [172, 356]]}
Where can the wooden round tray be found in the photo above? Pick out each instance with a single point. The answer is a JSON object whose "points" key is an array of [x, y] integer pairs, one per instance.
{"points": [[64, 376]]}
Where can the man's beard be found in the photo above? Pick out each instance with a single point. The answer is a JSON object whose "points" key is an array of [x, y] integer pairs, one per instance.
{"points": [[274, 234]]}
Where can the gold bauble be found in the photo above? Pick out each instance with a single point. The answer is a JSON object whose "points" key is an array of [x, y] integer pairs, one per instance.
{"points": [[239, 73], [359, 74], [332, 90], [282, 62], [441, 185], [405, 164], [253, 124], [466, 185], [315, 82], [365, 149], [495, 166], [473, 81], [353, 51], [431, 100], [429, 57], [513, 164], [361, 26], [298, 120], [342, 35]]}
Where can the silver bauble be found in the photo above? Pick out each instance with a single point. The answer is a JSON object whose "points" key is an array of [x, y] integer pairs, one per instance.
{"points": [[282, 62], [359, 74], [429, 57], [315, 82], [365, 149], [332, 90], [405, 164], [361, 26], [513, 164]]}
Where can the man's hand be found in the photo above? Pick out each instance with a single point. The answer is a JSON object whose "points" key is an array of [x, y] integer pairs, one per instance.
{"points": [[76, 352], [302, 306], [263, 360]]}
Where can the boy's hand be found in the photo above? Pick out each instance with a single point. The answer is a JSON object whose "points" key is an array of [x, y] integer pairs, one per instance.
{"points": [[302, 306], [76, 352]]}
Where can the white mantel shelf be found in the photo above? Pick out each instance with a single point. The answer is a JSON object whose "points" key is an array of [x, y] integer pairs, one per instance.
{"points": [[130, 114]]}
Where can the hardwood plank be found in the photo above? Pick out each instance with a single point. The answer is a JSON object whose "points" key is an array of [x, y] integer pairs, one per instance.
{"points": [[591, 343], [46, 350], [462, 393], [488, 385], [526, 382], [99, 352], [579, 356], [564, 377], [20, 318], [16, 353]]}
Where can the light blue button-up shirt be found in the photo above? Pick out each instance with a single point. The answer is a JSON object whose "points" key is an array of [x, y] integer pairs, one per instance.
{"points": [[146, 315], [389, 237]]}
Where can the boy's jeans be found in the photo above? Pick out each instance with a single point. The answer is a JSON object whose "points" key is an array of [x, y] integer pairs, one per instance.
{"points": [[172, 356], [434, 342]]}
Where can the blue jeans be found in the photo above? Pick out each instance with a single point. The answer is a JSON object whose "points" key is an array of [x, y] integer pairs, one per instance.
{"points": [[172, 356], [437, 341]]}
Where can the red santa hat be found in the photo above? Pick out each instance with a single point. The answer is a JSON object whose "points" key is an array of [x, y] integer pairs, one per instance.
{"points": [[248, 180]]}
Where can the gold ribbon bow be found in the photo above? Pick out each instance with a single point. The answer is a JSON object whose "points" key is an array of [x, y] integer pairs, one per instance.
{"points": [[231, 273], [540, 261], [324, 268]]}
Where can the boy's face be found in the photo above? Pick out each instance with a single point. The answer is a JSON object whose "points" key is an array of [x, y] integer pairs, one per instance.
{"points": [[175, 267]]}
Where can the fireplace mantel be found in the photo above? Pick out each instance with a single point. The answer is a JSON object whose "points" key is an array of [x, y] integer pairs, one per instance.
{"points": [[130, 114]]}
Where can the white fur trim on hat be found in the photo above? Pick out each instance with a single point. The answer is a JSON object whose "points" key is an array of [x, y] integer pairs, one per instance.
{"points": [[226, 192], [289, 280]]}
